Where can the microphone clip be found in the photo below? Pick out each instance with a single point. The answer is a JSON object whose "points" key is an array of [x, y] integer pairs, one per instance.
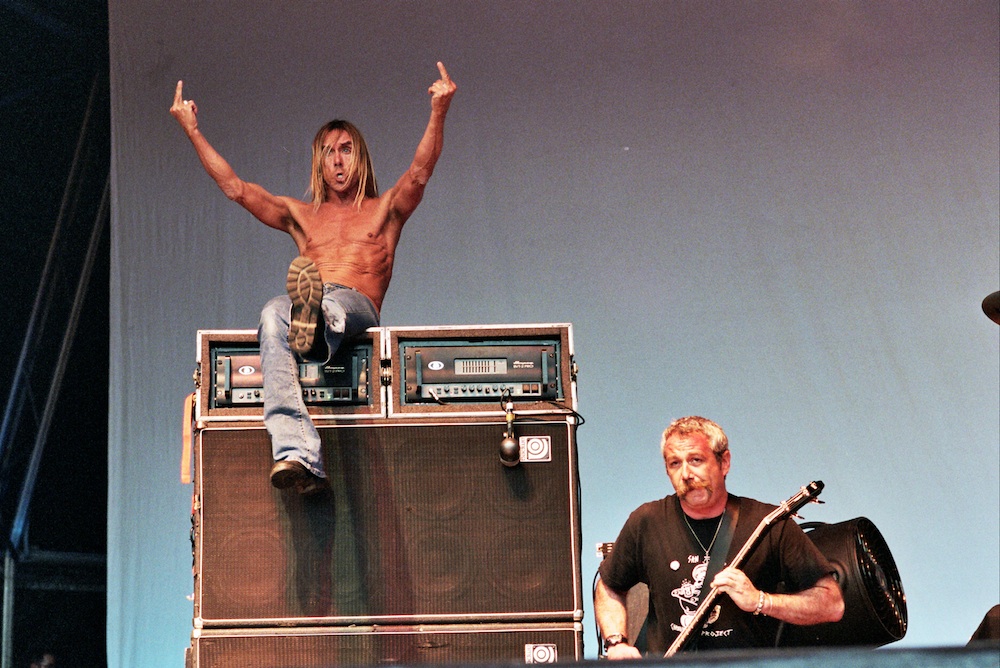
{"points": [[510, 451]]}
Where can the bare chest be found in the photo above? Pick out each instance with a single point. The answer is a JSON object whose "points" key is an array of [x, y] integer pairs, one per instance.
{"points": [[342, 226]]}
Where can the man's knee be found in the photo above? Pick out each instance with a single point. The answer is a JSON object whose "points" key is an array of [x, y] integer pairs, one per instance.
{"points": [[274, 316]]}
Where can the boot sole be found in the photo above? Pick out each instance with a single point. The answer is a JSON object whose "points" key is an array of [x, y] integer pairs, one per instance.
{"points": [[305, 288]]}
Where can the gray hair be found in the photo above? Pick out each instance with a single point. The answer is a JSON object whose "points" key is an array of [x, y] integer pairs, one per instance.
{"points": [[694, 424]]}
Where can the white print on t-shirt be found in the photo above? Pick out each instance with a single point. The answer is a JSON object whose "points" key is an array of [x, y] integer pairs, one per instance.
{"points": [[687, 596]]}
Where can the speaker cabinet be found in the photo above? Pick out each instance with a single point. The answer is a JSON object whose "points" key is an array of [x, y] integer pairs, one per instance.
{"points": [[357, 646], [874, 603], [423, 524]]}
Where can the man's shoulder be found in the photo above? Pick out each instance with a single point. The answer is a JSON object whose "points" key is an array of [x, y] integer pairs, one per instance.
{"points": [[300, 210], [292, 202], [752, 508], [753, 512], [753, 504], [653, 509]]}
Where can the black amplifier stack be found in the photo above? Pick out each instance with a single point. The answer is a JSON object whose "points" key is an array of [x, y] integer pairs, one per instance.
{"points": [[433, 545]]}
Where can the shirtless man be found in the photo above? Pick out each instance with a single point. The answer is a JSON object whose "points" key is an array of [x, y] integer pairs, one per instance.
{"points": [[346, 237]]}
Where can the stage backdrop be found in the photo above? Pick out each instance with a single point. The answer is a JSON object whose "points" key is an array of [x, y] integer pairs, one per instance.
{"points": [[780, 215]]}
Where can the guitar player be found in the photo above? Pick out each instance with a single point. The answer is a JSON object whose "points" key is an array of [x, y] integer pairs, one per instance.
{"points": [[679, 543]]}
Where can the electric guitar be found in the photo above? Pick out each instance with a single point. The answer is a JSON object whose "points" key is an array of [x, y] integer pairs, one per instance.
{"points": [[786, 509]]}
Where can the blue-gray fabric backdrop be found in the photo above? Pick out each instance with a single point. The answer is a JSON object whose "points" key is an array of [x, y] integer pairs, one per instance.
{"points": [[780, 215]]}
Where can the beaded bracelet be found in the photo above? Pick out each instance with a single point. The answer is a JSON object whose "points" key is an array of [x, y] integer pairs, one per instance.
{"points": [[760, 604]]}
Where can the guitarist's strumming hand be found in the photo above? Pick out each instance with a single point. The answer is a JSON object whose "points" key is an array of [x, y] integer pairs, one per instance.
{"points": [[737, 585]]}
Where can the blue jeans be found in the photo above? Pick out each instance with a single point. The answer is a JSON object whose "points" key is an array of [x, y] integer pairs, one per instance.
{"points": [[347, 313]]}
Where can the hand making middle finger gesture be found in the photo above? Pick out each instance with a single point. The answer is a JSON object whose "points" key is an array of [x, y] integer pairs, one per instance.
{"points": [[185, 111], [442, 90]]}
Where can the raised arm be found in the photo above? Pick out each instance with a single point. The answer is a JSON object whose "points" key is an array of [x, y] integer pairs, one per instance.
{"points": [[269, 209], [408, 191]]}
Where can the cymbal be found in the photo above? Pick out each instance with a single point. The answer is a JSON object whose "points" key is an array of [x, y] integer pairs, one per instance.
{"points": [[991, 307]]}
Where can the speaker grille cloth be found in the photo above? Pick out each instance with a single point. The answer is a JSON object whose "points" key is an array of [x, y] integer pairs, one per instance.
{"points": [[316, 650], [421, 520]]}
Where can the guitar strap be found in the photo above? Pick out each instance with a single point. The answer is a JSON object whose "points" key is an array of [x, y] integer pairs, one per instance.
{"points": [[717, 556]]}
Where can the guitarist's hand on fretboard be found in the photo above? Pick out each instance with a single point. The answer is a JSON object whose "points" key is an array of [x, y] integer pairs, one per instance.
{"points": [[737, 585]]}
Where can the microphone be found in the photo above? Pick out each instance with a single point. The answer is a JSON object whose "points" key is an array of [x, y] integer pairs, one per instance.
{"points": [[510, 451]]}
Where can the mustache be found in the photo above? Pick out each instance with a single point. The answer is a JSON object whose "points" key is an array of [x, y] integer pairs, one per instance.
{"points": [[684, 488]]}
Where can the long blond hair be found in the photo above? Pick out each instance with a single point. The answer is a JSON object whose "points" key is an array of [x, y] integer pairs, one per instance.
{"points": [[361, 164]]}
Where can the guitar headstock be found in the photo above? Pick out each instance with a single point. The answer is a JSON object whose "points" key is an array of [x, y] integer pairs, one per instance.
{"points": [[806, 494]]}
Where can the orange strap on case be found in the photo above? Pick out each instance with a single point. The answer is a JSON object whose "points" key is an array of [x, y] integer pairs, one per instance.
{"points": [[186, 435]]}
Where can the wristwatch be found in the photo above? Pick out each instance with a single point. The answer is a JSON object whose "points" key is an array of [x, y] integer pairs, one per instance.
{"points": [[614, 639]]}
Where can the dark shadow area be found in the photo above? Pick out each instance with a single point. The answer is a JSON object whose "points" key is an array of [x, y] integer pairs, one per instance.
{"points": [[55, 57]]}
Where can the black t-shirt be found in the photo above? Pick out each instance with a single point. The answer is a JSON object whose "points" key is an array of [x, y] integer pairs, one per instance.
{"points": [[656, 547]]}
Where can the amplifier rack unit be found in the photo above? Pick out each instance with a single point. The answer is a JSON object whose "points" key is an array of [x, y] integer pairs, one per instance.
{"points": [[230, 385], [474, 370], [400, 371]]}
